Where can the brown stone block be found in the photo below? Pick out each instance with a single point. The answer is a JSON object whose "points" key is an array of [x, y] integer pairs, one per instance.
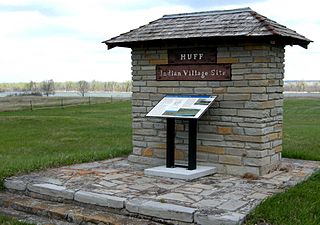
{"points": [[166, 90], [179, 127], [278, 149], [148, 152], [268, 104], [219, 90], [211, 149], [262, 59], [158, 61], [224, 130], [179, 154], [273, 82], [230, 159], [227, 60], [161, 145], [236, 97], [246, 138], [273, 136]]}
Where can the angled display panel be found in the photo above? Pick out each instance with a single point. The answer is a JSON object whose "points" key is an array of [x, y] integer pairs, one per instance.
{"points": [[182, 106]]}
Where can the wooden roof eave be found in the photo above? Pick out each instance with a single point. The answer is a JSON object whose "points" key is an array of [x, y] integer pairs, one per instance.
{"points": [[212, 40]]}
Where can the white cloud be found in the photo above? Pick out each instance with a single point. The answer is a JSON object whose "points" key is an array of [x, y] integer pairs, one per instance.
{"points": [[61, 39]]}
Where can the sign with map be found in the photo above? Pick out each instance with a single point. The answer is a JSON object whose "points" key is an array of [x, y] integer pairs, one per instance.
{"points": [[182, 106]]}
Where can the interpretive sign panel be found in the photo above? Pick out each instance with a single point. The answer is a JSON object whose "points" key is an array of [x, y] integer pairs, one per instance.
{"points": [[194, 72], [182, 106]]}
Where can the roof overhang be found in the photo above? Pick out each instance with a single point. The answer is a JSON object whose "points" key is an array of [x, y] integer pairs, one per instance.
{"points": [[273, 40]]}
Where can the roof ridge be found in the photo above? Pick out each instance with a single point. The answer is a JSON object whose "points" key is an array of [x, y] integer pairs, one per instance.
{"points": [[264, 22], [207, 13]]}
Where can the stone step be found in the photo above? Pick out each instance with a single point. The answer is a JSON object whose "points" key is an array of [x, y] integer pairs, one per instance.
{"points": [[137, 207], [45, 212]]}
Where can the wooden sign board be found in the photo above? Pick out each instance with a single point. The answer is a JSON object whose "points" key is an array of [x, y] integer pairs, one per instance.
{"points": [[200, 72], [182, 106], [192, 56]]}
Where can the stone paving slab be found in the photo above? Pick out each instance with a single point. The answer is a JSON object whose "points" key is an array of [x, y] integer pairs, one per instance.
{"points": [[51, 190], [43, 212], [161, 210], [119, 184], [99, 199]]}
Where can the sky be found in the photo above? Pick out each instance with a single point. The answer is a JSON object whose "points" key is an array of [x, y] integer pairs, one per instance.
{"points": [[61, 39]]}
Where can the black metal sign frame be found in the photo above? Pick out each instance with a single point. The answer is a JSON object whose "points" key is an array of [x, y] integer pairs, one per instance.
{"points": [[192, 148]]}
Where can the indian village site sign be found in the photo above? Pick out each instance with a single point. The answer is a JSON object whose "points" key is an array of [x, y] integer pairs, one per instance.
{"points": [[193, 64]]}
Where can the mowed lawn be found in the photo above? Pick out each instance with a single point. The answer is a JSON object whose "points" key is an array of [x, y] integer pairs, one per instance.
{"points": [[34, 140], [302, 129], [299, 205]]}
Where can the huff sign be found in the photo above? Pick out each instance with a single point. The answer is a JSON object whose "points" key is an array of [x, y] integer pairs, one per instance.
{"points": [[193, 64], [192, 56]]}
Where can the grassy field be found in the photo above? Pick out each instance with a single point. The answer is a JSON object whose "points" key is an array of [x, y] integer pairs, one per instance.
{"points": [[32, 140], [36, 102], [302, 129]]}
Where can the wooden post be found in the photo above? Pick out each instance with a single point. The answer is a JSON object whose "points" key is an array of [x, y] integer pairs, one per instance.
{"points": [[31, 107]]}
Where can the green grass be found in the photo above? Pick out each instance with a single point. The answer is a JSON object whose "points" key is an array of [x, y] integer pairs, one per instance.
{"points": [[34, 140], [4, 220], [299, 205], [302, 129]]}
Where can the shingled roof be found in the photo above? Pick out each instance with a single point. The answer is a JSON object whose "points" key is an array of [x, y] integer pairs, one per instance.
{"points": [[225, 24]]}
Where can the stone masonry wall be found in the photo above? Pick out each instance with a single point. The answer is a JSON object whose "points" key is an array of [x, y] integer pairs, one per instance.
{"points": [[241, 133]]}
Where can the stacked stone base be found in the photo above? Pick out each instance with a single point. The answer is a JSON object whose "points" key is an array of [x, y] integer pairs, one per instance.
{"points": [[220, 168]]}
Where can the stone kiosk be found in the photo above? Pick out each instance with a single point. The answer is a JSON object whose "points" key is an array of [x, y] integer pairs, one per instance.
{"points": [[236, 55]]}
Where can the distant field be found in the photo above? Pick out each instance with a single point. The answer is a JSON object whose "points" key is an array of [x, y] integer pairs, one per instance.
{"points": [[36, 102]]}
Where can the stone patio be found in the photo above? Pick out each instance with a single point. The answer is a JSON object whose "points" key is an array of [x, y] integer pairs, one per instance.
{"points": [[120, 187]]}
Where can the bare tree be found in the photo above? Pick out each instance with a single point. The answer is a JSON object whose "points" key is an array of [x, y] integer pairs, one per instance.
{"points": [[47, 87], [83, 87], [68, 85], [128, 86], [93, 85], [31, 86], [301, 85]]}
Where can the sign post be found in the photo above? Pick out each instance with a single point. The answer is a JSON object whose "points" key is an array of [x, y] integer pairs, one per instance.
{"points": [[184, 107]]}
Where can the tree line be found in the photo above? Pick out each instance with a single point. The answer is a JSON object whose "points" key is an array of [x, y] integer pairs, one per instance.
{"points": [[302, 86], [49, 87]]}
